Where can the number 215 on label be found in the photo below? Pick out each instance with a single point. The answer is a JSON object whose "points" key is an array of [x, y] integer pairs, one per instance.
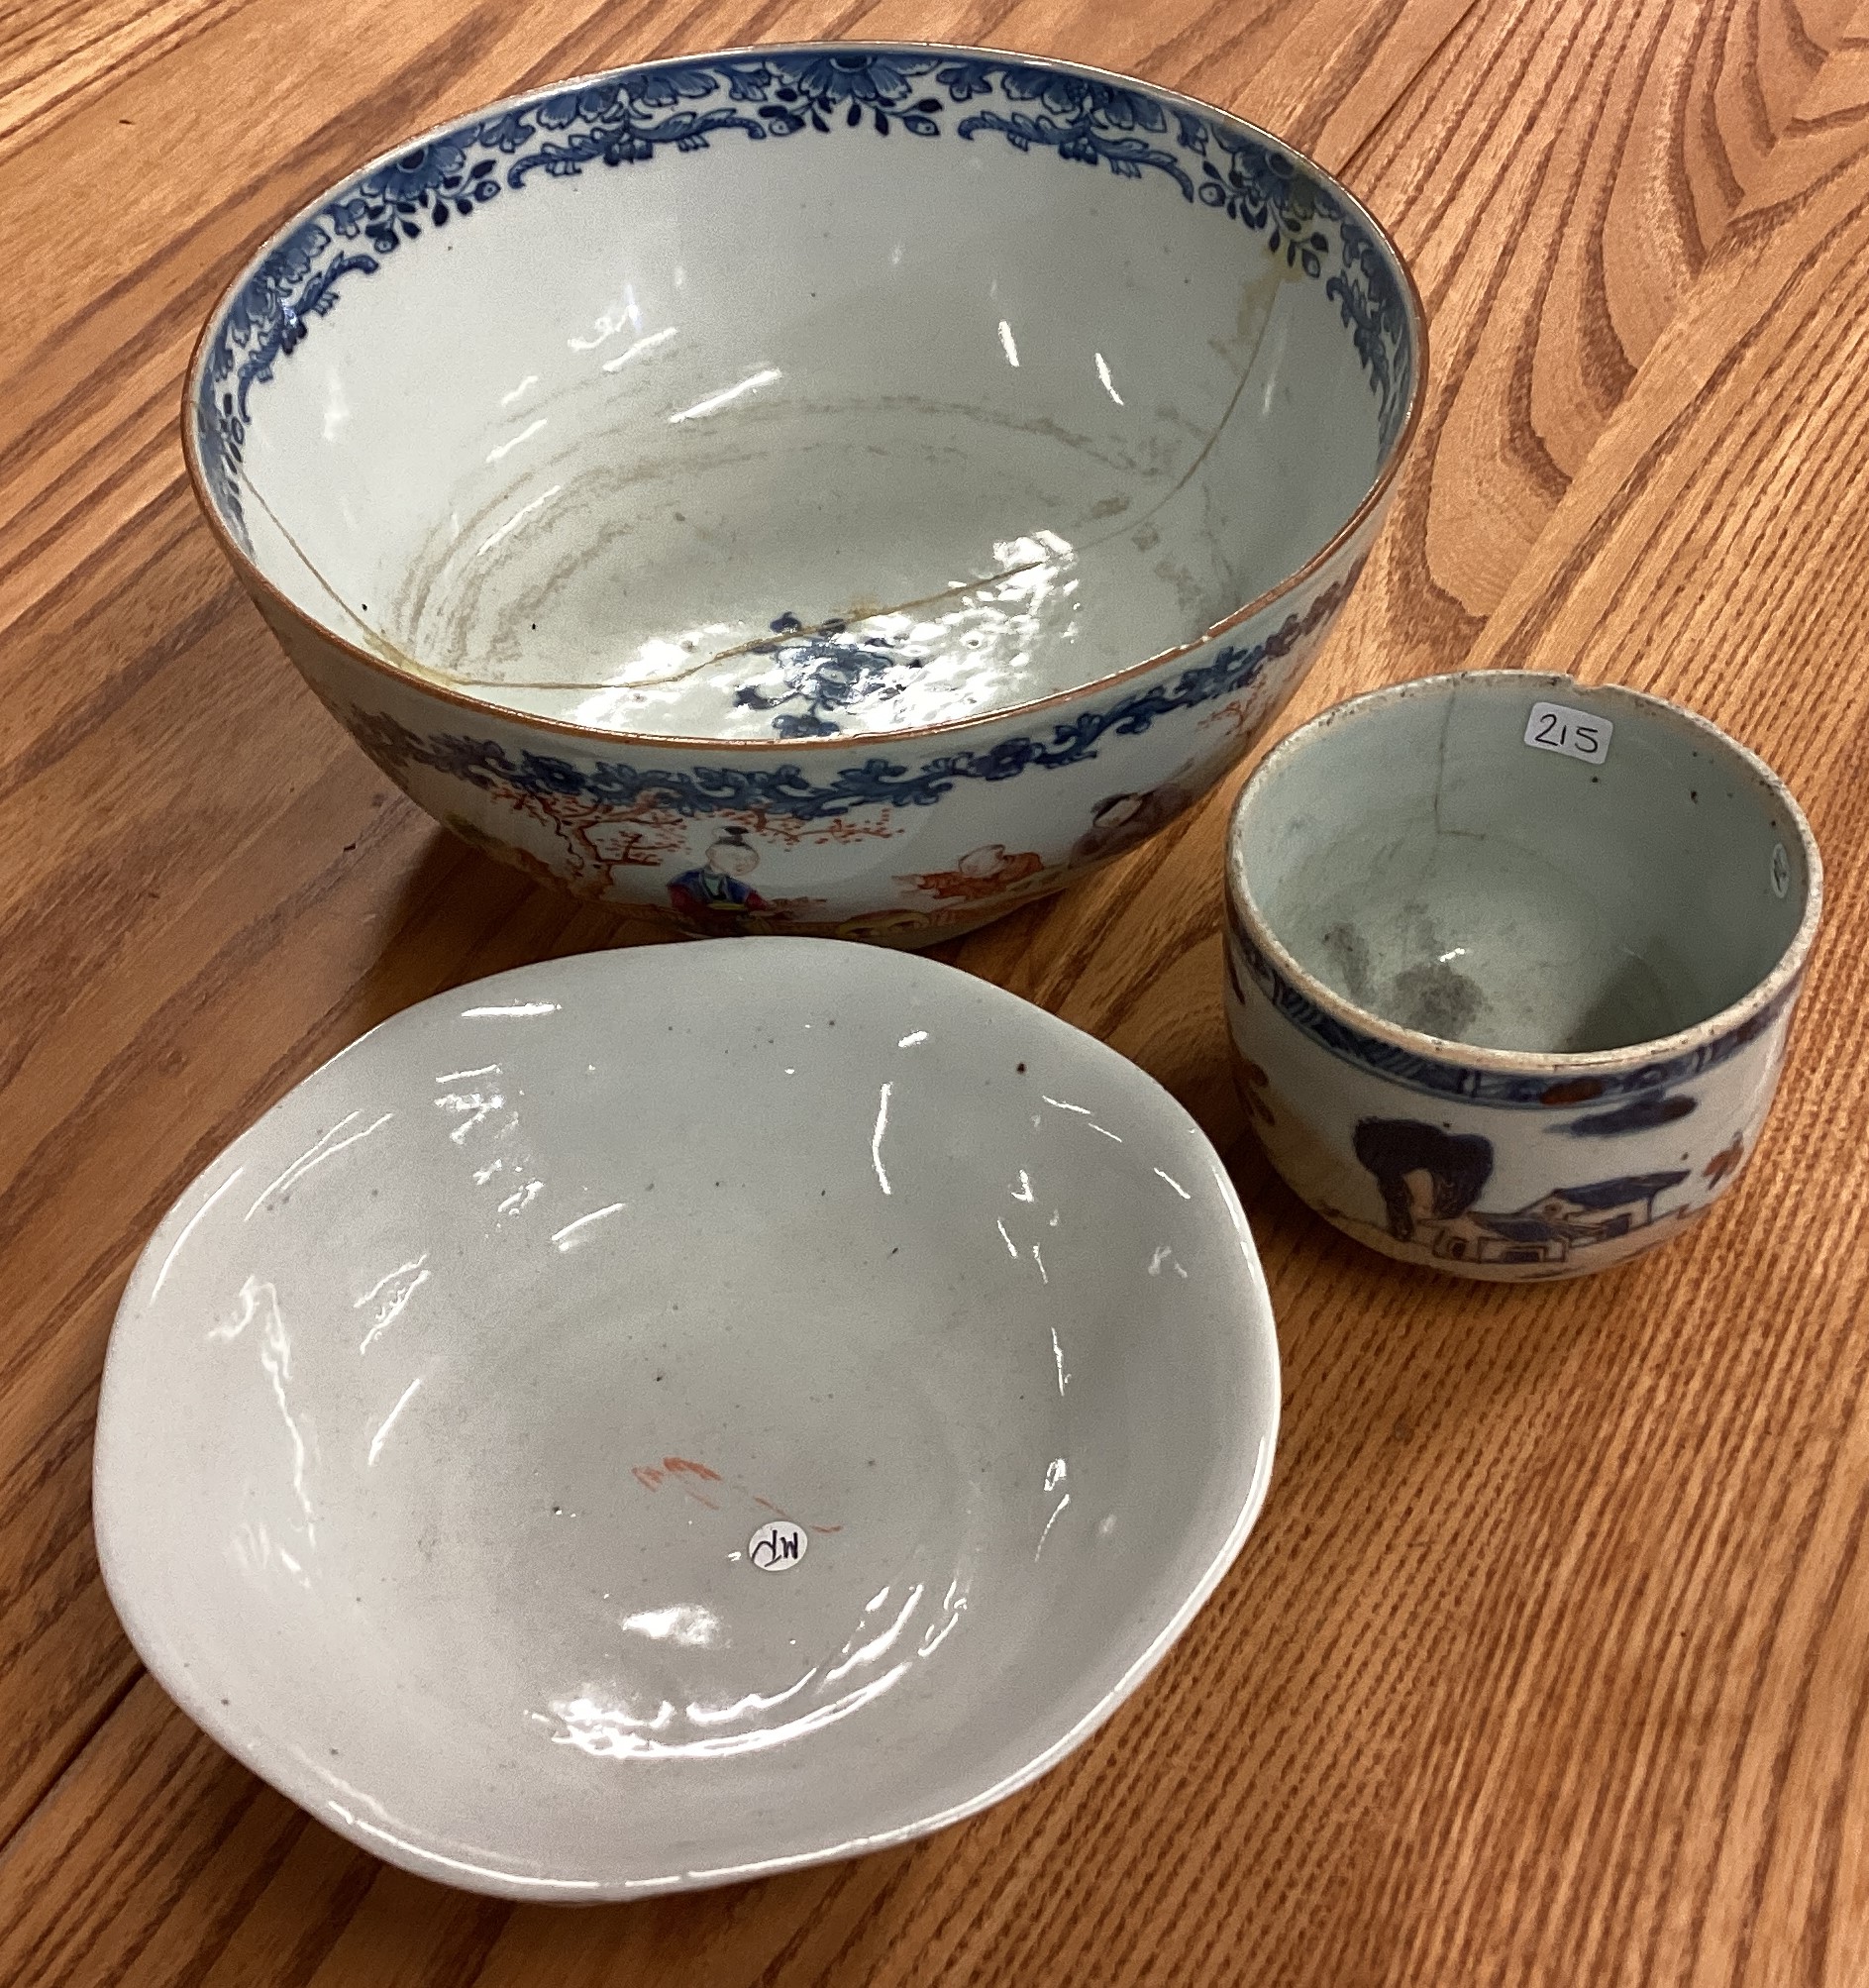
{"points": [[1561, 728]]}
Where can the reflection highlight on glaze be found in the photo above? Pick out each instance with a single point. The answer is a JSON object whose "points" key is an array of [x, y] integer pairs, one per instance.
{"points": [[624, 315], [316, 1155], [259, 1300], [275, 1356], [939, 1634], [1049, 1523], [521, 1010], [876, 1138], [512, 524], [598, 1720], [953, 1606], [188, 1230], [255, 1550], [568, 1237], [1055, 1474], [727, 395], [337, 405], [1102, 373], [725, 1714], [1175, 1184], [422, 1852], [397, 1302], [389, 1421], [684, 1622], [608, 1732], [641, 346], [501, 450], [473, 1108], [878, 1646]]}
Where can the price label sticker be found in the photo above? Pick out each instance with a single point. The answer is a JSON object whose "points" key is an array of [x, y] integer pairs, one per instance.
{"points": [[1562, 728]]}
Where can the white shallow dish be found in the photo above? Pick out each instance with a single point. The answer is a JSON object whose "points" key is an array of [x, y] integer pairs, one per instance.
{"points": [[446, 1415]]}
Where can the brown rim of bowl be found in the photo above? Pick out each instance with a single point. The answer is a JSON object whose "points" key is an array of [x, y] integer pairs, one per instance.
{"points": [[1761, 996], [258, 585]]}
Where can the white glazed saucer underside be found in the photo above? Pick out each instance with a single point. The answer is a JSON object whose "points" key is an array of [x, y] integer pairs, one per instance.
{"points": [[993, 423], [443, 1414]]}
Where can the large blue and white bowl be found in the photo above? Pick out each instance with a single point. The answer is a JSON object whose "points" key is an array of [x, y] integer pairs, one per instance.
{"points": [[847, 489]]}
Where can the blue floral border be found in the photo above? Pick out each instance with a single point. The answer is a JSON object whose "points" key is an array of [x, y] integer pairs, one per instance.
{"points": [[1473, 1086], [632, 115], [789, 792]]}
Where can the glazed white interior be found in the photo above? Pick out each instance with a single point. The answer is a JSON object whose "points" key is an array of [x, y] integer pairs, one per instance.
{"points": [[433, 1447], [1423, 861], [992, 422]]}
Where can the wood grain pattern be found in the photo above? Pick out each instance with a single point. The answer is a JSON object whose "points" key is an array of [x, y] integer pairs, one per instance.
{"points": [[1547, 1662]]}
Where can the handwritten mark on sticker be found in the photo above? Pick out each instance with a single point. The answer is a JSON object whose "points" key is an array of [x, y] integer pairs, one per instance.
{"points": [[1562, 728], [776, 1548]]}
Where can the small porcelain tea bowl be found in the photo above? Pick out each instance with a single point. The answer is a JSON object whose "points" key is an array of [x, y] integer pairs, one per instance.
{"points": [[845, 488], [658, 1418], [1511, 961]]}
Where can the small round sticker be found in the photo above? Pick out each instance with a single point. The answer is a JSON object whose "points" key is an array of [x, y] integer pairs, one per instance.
{"points": [[1781, 870], [777, 1548]]}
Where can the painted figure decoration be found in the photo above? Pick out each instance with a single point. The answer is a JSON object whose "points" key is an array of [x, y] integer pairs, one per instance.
{"points": [[1431, 1181], [1122, 821], [768, 592], [1626, 927], [718, 893], [982, 874]]}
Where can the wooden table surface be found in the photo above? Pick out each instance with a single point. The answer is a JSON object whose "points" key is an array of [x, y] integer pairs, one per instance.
{"points": [[1549, 1659]]}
